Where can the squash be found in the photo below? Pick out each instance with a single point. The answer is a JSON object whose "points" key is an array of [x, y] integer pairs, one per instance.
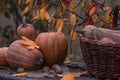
{"points": [[20, 56], [100, 33], [3, 56], [54, 47]]}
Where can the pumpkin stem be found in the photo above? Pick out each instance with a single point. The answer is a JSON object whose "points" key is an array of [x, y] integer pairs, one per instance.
{"points": [[40, 62], [23, 21]]}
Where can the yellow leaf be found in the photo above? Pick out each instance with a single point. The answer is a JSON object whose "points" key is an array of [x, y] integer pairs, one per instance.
{"points": [[59, 25], [29, 43], [47, 16], [19, 74], [107, 17], [73, 35], [92, 10], [83, 3], [94, 18], [71, 5], [73, 19], [42, 13], [69, 76]]}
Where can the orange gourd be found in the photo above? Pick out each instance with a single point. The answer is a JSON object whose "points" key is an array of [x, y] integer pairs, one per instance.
{"points": [[53, 46], [20, 56]]}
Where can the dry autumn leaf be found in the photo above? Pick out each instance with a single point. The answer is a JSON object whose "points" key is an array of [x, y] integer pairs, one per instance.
{"points": [[69, 76], [90, 5], [29, 1], [83, 3], [47, 16], [28, 7], [19, 2], [107, 17], [25, 10], [42, 13], [19, 74], [94, 18], [73, 19], [106, 8], [92, 10], [42, 4], [62, 9], [29, 43], [59, 25], [79, 74], [71, 5], [73, 35]]}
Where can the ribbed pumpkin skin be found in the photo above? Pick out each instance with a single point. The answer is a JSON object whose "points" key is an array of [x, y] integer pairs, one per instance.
{"points": [[54, 47], [3, 56], [20, 56], [27, 30]]}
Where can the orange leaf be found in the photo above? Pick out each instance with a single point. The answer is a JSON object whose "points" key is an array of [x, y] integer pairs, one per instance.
{"points": [[42, 13], [19, 2], [73, 19], [106, 8], [73, 35], [62, 9], [69, 76], [42, 4], [94, 18], [29, 43], [47, 16], [79, 74], [25, 10], [92, 10], [19, 74], [29, 1], [59, 25], [90, 5], [71, 5], [107, 17]]}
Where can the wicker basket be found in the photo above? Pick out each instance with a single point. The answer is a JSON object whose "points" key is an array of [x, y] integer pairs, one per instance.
{"points": [[102, 61]]}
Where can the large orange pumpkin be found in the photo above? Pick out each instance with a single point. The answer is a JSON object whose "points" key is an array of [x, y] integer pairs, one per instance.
{"points": [[54, 47], [26, 30], [20, 56], [3, 56]]}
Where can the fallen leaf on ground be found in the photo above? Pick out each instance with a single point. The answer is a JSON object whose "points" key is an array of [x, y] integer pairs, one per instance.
{"points": [[79, 74], [69, 76], [19, 74]]}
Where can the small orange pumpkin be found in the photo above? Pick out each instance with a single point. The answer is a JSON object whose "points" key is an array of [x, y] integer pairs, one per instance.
{"points": [[20, 56], [26, 30], [3, 56], [54, 47]]}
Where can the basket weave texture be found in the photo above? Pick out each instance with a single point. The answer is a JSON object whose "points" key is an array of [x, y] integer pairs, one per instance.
{"points": [[101, 60]]}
